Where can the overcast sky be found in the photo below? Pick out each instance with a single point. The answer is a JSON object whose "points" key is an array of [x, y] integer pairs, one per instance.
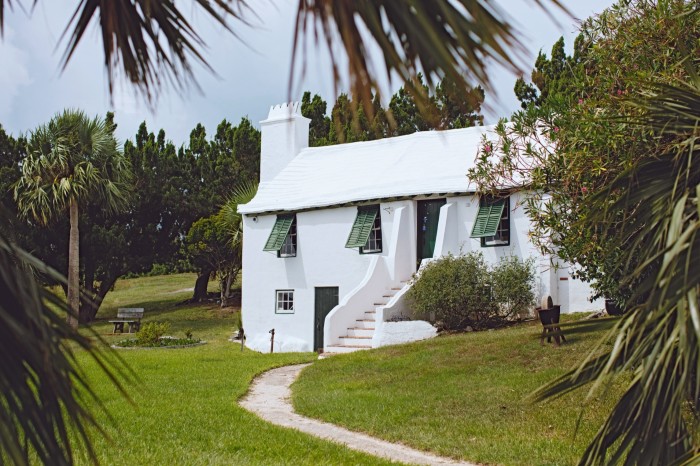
{"points": [[249, 77]]}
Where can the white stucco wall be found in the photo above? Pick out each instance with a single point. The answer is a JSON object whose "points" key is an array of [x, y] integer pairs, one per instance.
{"points": [[284, 134], [394, 333], [322, 260]]}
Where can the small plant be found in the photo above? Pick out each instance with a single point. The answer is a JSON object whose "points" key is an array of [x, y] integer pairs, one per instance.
{"points": [[188, 334], [151, 332]]}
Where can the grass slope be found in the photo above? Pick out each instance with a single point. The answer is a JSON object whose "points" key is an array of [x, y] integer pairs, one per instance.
{"points": [[184, 407], [462, 396]]}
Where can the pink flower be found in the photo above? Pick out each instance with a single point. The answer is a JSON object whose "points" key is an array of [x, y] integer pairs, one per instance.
{"points": [[584, 189], [580, 101], [487, 148], [619, 92], [556, 129]]}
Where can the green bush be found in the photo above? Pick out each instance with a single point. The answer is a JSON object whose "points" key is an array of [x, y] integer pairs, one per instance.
{"points": [[513, 285], [151, 332], [452, 292], [456, 292]]}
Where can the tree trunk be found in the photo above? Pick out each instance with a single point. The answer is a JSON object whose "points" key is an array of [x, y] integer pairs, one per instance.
{"points": [[89, 293], [73, 266], [223, 288], [90, 306], [200, 286]]}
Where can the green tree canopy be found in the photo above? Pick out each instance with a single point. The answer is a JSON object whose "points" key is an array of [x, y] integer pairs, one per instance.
{"points": [[610, 158]]}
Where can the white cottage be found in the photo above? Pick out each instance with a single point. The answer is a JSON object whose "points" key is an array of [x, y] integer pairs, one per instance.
{"points": [[335, 233]]}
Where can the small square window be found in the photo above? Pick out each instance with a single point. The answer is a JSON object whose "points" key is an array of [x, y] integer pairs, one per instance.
{"points": [[284, 302]]}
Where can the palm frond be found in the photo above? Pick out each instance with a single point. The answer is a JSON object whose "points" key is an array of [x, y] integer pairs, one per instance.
{"points": [[442, 39], [43, 393], [229, 217], [149, 41]]}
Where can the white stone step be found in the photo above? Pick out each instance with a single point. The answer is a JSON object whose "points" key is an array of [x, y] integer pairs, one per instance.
{"points": [[345, 348], [361, 332], [355, 341], [365, 323]]}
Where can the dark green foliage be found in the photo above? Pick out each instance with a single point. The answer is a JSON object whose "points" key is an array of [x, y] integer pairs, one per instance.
{"points": [[463, 291], [553, 78], [315, 109]]}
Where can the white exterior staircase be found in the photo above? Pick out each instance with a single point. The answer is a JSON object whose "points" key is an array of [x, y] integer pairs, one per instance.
{"points": [[359, 336]]}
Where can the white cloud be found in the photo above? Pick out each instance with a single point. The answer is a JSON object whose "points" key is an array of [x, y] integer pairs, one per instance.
{"points": [[14, 76]]}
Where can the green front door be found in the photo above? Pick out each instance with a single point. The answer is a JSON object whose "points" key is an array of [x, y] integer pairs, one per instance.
{"points": [[325, 300], [428, 216]]}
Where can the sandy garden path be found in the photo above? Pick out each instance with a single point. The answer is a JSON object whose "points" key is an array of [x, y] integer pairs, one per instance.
{"points": [[269, 398]]}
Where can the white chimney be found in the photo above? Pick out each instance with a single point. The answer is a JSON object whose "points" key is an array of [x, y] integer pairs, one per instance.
{"points": [[284, 134]]}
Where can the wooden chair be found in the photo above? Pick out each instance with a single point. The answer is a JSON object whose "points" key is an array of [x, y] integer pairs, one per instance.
{"points": [[550, 325]]}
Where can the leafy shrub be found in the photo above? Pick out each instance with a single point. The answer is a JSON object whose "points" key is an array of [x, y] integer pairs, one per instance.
{"points": [[457, 292], [151, 332], [513, 286], [452, 291]]}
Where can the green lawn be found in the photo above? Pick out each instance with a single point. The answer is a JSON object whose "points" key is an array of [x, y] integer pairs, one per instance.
{"points": [[462, 396], [184, 406]]}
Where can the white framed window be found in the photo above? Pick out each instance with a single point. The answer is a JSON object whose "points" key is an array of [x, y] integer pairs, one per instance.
{"points": [[289, 247], [284, 302], [374, 240], [283, 236], [366, 232], [492, 223]]}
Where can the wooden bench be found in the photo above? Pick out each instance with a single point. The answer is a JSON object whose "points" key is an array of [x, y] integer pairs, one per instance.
{"points": [[128, 315]]}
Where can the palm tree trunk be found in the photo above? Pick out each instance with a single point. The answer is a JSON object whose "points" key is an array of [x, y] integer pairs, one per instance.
{"points": [[73, 266]]}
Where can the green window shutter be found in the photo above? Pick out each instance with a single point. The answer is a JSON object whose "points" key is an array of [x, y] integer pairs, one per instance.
{"points": [[487, 220], [279, 232], [362, 227]]}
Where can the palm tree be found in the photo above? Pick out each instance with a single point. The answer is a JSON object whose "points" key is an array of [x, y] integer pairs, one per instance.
{"points": [[71, 161], [231, 222]]}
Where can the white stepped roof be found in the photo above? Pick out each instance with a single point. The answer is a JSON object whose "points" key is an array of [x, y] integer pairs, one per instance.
{"points": [[417, 164]]}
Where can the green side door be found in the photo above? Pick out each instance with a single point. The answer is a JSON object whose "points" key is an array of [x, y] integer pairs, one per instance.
{"points": [[428, 216], [326, 298]]}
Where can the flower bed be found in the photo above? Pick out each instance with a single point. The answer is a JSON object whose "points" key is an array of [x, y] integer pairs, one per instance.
{"points": [[162, 342]]}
